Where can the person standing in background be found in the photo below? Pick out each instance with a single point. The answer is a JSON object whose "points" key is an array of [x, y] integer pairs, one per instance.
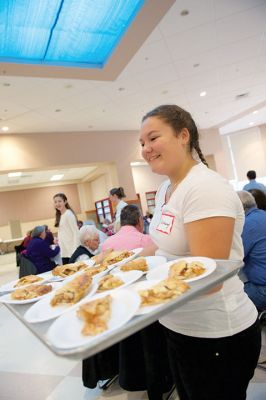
{"points": [[66, 222], [116, 195], [253, 184]]}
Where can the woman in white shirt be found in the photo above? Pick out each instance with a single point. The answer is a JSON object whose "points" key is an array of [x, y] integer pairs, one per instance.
{"points": [[116, 195], [213, 341], [66, 221]]}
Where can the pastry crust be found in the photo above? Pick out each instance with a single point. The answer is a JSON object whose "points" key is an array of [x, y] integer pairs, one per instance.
{"points": [[138, 264], [185, 270], [72, 291], [96, 269], [109, 282], [116, 256], [96, 315], [27, 280], [163, 291], [69, 269], [30, 292]]}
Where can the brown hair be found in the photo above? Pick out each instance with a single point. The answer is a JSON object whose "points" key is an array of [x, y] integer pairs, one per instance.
{"points": [[58, 213], [178, 119], [119, 192]]}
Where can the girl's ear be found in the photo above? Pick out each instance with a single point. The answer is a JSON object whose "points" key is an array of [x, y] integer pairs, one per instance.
{"points": [[184, 135]]}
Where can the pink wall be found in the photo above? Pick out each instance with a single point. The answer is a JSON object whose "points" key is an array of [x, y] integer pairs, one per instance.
{"points": [[34, 204]]}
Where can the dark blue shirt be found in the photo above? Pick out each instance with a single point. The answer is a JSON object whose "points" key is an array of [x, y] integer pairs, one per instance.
{"points": [[40, 253], [254, 241]]}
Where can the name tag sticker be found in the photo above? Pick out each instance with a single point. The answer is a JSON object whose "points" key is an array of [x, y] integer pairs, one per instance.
{"points": [[166, 223]]}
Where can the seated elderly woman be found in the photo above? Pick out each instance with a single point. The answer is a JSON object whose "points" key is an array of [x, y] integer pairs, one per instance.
{"points": [[254, 241], [39, 252], [90, 244]]}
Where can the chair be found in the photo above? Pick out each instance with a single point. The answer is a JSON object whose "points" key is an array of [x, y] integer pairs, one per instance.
{"points": [[26, 267]]}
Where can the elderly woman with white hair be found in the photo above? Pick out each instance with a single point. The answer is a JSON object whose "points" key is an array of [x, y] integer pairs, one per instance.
{"points": [[89, 244], [254, 241]]}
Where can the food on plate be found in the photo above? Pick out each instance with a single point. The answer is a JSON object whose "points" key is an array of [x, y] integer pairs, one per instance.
{"points": [[109, 282], [95, 269], [69, 269], [116, 256], [185, 270], [163, 291], [96, 315], [72, 291], [139, 264], [30, 292], [98, 258], [27, 280]]}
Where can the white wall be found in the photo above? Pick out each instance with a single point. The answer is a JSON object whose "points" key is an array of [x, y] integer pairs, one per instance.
{"points": [[145, 181]]}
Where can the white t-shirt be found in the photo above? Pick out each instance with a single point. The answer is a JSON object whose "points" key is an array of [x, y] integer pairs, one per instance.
{"points": [[118, 210], [202, 194], [68, 234]]}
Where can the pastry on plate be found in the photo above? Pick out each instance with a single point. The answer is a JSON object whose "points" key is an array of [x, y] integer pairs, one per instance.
{"points": [[96, 269], [69, 269], [163, 291], [96, 315], [109, 282], [73, 291], [138, 264], [116, 256], [27, 280], [184, 270], [30, 292]]}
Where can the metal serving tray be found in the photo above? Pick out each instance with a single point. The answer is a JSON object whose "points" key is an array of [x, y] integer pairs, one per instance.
{"points": [[225, 269]]}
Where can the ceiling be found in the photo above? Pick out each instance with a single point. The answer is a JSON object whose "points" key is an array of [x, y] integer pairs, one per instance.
{"points": [[218, 47]]}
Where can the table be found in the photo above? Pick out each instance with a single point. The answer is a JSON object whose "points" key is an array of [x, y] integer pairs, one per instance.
{"points": [[8, 246], [225, 269]]}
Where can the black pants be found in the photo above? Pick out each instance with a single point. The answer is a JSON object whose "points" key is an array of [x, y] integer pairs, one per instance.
{"points": [[214, 369], [65, 260]]}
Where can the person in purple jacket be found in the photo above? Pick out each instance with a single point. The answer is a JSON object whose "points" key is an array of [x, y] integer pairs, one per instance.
{"points": [[39, 251]]}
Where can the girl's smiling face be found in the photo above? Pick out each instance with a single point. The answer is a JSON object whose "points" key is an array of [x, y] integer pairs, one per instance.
{"points": [[162, 148], [59, 204]]}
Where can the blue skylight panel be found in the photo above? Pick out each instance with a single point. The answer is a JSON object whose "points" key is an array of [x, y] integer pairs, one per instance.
{"points": [[63, 32]]}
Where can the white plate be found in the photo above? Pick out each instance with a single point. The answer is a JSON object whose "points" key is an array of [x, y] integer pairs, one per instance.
{"points": [[56, 278], [162, 271], [152, 261], [9, 287], [65, 332], [7, 297], [142, 286], [43, 311], [125, 260], [127, 277]]}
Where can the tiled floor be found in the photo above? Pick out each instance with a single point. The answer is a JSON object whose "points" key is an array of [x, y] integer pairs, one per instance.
{"points": [[28, 370]]}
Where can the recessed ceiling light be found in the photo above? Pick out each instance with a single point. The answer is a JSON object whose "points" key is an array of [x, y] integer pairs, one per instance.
{"points": [[202, 94], [121, 89], [146, 58], [255, 112], [251, 123], [6, 84], [14, 174], [184, 13], [5, 128], [58, 110], [56, 177], [196, 65], [164, 92], [69, 86]]}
